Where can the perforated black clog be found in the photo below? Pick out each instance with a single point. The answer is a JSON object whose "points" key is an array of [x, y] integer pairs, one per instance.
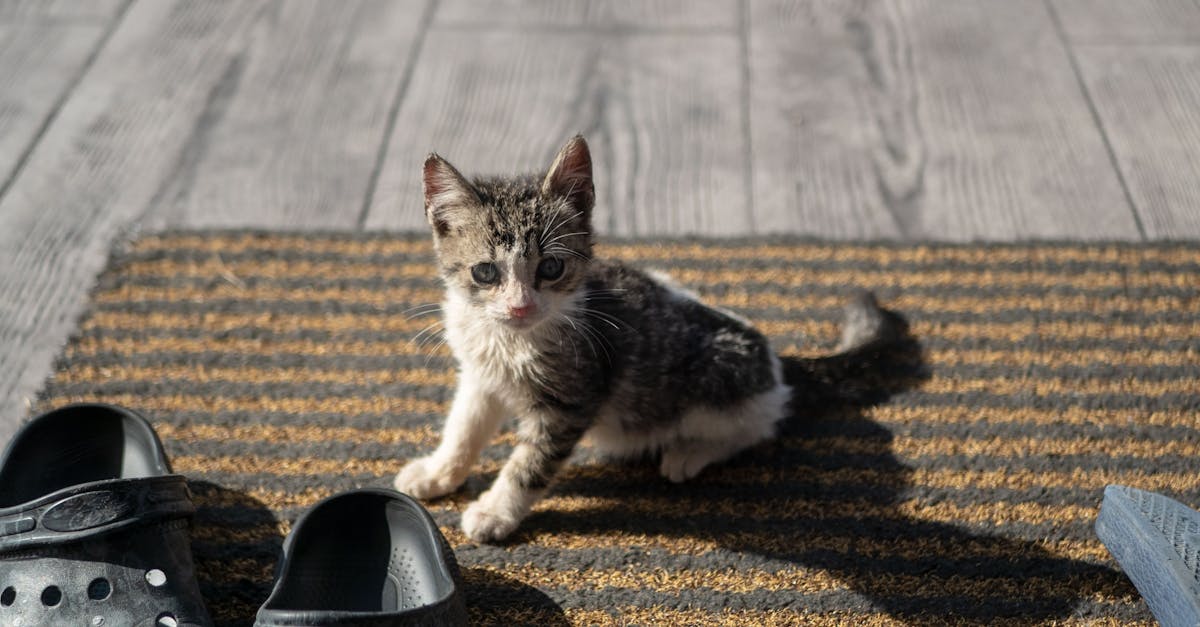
{"points": [[94, 526]]}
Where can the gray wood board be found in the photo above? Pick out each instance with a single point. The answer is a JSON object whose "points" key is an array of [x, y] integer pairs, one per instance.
{"points": [[39, 63], [662, 114], [294, 132], [35, 10], [943, 120], [1148, 99], [95, 169], [634, 14], [1130, 21]]}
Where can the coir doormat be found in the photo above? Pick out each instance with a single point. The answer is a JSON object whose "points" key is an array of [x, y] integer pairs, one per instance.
{"points": [[280, 369]]}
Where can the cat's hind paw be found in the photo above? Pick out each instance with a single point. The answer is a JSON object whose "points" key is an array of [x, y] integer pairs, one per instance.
{"points": [[483, 524], [426, 478]]}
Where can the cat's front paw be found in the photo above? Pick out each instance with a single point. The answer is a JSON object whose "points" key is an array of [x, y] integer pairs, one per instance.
{"points": [[683, 463], [426, 478], [486, 524]]}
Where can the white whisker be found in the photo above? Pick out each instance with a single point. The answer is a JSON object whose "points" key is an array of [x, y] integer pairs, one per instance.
{"points": [[612, 295], [421, 310], [563, 335], [422, 306], [433, 351], [547, 233], [559, 248], [565, 235], [591, 332], [432, 329], [605, 317]]}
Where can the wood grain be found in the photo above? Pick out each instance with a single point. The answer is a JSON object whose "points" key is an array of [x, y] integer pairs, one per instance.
{"points": [[644, 14], [658, 111], [26, 11], [39, 63], [1148, 99], [1154, 22], [924, 119], [911, 119], [95, 169], [293, 134]]}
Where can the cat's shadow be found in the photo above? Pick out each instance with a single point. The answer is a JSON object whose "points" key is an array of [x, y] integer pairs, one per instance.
{"points": [[830, 497]]}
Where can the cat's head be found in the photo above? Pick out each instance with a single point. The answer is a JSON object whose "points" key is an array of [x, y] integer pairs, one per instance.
{"points": [[517, 249]]}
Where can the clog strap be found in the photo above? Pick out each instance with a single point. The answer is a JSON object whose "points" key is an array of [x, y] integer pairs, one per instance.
{"points": [[92, 509]]}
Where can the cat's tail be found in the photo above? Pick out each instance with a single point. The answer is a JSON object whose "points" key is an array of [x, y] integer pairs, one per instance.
{"points": [[875, 356], [866, 324]]}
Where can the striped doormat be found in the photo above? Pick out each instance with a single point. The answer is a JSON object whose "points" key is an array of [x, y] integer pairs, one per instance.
{"points": [[280, 369]]}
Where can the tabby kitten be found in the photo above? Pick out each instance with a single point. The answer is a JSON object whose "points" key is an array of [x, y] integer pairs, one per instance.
{"points": [[573, 345]]}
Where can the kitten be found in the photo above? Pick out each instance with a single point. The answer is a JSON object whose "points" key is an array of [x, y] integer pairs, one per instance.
{"points": [[573, 345]]}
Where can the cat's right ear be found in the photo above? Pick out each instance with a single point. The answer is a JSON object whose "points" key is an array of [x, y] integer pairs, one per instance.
{"points": [[449, 198], [571, 175]]}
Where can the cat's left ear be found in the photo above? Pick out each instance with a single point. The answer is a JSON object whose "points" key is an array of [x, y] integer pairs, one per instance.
{"points": [[571, 175]]}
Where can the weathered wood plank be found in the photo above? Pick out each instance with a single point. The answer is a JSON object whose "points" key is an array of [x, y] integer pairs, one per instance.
{"points": [[651, 14], [32, 10], [95, 169], [296, 133], [1148, 99], [1130, 21], [39, 62], [659, 112], [947, 120]]}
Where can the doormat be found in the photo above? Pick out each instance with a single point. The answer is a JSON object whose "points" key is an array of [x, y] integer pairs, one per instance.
{"points": [[283, 368]]}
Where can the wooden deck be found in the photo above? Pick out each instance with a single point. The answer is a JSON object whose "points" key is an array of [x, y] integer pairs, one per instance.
{"points": [[910, 119]]}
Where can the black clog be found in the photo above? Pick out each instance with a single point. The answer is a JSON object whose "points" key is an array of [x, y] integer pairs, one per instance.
{"points": [[365, 558], [94, 526]]}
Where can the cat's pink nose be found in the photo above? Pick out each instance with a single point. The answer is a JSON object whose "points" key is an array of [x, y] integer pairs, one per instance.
{"points": [[523, 311]]}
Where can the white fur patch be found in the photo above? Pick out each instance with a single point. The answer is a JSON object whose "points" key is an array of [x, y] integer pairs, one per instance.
{"points": [[498, 511], [702, 435], [727, 431], [498, 358]]}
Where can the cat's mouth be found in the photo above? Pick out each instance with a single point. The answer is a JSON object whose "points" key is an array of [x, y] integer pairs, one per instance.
{"points": [[524, 324]]}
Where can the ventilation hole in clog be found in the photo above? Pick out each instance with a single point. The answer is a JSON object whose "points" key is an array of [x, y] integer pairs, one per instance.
{"points": [[99, 589], [8, 596], [166, 619], [156, 577], [51, 596]]}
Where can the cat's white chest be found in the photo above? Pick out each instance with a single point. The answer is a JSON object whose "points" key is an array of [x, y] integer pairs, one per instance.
{"points": [[502, 361]]}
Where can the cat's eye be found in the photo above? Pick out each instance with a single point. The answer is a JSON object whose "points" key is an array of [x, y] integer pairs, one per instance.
{"points": [[550, 268], [485, 273]]}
